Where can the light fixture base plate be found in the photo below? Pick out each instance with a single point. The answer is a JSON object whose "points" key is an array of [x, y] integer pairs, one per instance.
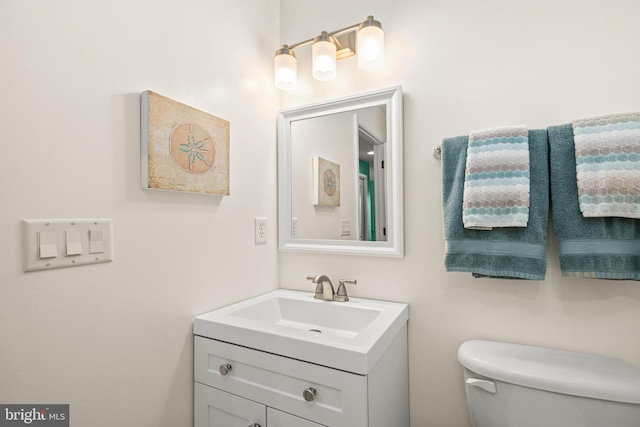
{"points": [[345, 44]]}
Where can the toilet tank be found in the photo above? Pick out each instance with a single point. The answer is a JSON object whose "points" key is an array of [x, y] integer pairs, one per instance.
{"points": [[512, 385]]}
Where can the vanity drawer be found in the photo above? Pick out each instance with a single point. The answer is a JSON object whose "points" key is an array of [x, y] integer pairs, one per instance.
{"points": [[340, 397]]}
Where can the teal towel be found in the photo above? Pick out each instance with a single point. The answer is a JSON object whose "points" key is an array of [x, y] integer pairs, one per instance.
{"points": [[517, 253], [591, 247]]}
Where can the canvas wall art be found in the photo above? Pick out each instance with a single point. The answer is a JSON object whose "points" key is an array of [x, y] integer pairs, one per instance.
{"points": [[326, 182], [182, 148]]}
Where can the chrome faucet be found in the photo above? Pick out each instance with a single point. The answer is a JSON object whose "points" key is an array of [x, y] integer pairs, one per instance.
{"points": [[328, 293], [323, 291]]}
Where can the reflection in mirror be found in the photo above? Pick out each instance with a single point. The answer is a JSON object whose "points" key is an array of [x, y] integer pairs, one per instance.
{"points": [[340, 172], [348, 151]]}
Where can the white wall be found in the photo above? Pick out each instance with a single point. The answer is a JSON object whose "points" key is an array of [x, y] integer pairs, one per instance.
{"points": [[465, 65], [114, 340], [373, 120]]}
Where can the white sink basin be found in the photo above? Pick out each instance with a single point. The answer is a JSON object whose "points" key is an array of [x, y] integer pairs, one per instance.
{"points": [[344, 335]]}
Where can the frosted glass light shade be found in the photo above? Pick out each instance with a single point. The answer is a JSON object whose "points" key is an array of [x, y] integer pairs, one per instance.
{"points": [[285, 68], [324, 60], [370, 48]]}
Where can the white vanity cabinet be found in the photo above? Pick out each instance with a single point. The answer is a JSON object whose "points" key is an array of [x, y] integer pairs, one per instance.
{"points": [[245, 387]]}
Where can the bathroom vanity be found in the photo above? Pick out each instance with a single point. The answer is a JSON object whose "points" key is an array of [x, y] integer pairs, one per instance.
{"points": [[285, 359]]}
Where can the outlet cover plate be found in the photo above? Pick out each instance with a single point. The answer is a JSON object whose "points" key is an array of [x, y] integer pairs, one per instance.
{"points": [[260, 230]]}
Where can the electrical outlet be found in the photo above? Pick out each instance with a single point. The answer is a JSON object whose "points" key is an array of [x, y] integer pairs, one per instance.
{"points": [[261, 229], [345, 227], [294, 228]]}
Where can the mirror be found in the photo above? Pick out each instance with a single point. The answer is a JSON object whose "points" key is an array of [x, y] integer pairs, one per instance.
{"points": [[340, 175]]}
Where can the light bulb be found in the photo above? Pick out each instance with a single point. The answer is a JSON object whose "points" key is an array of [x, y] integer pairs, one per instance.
{"points": [[285, 69], [370, 45], [323, 58]]}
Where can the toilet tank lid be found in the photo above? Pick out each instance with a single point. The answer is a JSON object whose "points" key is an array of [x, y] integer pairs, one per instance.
{"points": [[576, 374]]}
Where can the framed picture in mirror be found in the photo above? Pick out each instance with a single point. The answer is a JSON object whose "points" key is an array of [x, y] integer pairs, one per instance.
{"points": [[326, 182]]}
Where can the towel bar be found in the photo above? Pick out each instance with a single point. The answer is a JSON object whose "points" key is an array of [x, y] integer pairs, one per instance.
{"points": [[437, 152]]}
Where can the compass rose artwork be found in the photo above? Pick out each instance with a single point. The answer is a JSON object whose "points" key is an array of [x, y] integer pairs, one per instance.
{"points": [[182, 148], [326, 182]]}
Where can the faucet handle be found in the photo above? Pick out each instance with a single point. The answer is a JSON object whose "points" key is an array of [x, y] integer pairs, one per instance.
{"points": [[319, 294], [341, 294]]}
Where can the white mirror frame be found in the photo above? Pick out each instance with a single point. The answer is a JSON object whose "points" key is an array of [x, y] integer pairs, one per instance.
{"points": [[394, 246]]}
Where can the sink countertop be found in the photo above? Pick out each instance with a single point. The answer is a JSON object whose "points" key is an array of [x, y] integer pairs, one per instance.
{"points": [[350, 336]]}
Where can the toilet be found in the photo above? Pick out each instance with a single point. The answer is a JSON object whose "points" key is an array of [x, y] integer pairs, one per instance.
{"points": [[511, 385]]}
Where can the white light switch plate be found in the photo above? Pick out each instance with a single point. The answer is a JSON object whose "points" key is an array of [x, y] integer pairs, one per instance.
{"points": [[69, 251]]}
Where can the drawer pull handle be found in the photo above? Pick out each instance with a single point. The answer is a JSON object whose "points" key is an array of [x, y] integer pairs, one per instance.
{"points": [[309, 394], [224, 369], [255, 425]]}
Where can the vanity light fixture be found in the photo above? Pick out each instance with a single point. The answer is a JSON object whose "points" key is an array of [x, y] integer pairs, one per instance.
{"points": [[329, 47]]}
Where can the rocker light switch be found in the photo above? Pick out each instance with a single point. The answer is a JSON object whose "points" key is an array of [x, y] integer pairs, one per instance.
{"points": [[47, 244], [74, 242], [96, 241]]}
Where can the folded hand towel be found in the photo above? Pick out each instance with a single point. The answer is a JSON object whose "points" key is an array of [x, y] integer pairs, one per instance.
{"points": [[606, 248], [517, 252], [496, 183], [607, 150]]}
